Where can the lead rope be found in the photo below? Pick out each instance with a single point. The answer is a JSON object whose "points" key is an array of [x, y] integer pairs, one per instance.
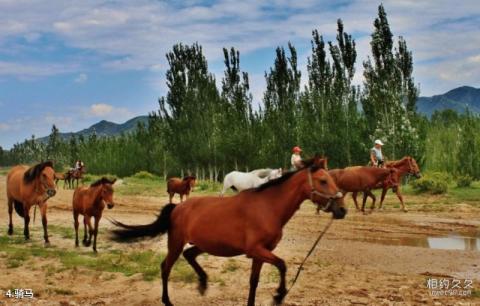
{"points": [[309, 253]]}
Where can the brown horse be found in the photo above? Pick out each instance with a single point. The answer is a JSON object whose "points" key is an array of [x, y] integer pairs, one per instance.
{"points": [[406, 165], [180, 186], [359, 178], [248, 223], [27, 187], [90, 202]]}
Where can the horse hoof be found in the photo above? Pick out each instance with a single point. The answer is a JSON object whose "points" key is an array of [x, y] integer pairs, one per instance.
{"points": [[10, 231], [47, 244], [202, 286], [278, 299], [405, 210]]}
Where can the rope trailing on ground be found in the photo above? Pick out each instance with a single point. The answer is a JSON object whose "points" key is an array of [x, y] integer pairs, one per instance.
{"points": [[309, 253]]}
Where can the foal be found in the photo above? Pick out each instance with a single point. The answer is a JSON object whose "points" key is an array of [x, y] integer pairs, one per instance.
{"points": [[180, 186], [90, 202]]}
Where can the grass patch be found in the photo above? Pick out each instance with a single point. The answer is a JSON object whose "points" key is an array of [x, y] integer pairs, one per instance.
{"points": [[4, 170], [230, 266], [18, 252], [142, 186]]}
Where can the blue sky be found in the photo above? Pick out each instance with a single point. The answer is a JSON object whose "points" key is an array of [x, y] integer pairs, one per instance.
{"points": [[73, 63]]}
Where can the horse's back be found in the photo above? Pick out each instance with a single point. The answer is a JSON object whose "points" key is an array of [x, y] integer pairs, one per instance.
{"points": [[15, 180], [173, 184]]}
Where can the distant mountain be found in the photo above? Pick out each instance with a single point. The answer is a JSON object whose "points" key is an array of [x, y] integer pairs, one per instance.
{"points": [[104, 128], [458, 99]]}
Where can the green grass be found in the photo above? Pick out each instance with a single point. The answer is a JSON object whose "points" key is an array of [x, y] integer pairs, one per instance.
{"points": [[4, 170], [142, 186], [230, 266], [18, 253]]}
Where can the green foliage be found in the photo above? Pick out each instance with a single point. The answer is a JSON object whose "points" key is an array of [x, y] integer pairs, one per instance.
{"points": [[144, 175], [464, 181], [434, 183]]}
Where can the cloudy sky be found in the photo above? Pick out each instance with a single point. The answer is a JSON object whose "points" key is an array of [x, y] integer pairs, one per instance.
{"points": [[73, 63]]}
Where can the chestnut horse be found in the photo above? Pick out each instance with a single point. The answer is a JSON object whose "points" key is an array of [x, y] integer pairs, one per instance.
{"points": [[27, 187], [249, 223], [180, 186], [406, 165], [90, 202], [359, 178]]}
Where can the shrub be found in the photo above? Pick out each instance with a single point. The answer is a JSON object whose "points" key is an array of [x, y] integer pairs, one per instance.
{"points": [[464, 181], [145, 175], [434, 183]]}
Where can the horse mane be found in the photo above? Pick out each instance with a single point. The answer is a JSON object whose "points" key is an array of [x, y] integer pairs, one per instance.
{"points": [[34, 172], [102, 181], [395, 163], [189, 177]]}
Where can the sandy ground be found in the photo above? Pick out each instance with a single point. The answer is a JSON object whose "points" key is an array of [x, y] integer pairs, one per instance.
{"points": [[379, 259]]}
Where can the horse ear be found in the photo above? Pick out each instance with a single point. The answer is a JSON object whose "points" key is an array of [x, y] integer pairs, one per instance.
{"points": [[114, 180]]}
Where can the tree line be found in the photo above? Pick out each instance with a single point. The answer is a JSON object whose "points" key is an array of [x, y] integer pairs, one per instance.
{"points": [[208, 131]]}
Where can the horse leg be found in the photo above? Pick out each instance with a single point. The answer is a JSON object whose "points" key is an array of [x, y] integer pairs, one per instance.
{"points": [[354, 197], [400, 197], [75, 224], [43, 211], [175, 248], [382, 198], [181, 198], [95, 232], [87, 223], [10, 211], [370, 194], [262, 254], [364, 201], [190, 254], [254, 277], [26, 218], [170, 197]]}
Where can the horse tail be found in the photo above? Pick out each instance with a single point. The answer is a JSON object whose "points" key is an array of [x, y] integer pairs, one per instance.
{"points": [[19, 208], [158, 227]]}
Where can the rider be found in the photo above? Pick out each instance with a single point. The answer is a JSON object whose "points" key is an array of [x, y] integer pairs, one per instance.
{"points": [[296, 159], [376, 156]]}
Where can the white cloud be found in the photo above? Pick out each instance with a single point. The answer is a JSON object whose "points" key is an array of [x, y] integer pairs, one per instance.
{"points": [[4, 127], [136, 35], [107, 111], [100, 109], [81, 78], [33, 70]]}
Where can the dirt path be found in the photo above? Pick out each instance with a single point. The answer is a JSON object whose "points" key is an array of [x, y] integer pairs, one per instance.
{"points": [[378, 259]]}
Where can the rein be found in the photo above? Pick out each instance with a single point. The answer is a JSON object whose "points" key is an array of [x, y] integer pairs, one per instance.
{"points": [[309, 253]]}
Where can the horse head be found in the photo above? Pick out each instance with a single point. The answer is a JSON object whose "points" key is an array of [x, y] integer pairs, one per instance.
{"points": [[413, 167], [321, 186], [106, 193], [44, 174]]}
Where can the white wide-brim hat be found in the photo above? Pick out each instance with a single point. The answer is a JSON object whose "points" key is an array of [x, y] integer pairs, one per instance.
{"points": [[379, 142]]}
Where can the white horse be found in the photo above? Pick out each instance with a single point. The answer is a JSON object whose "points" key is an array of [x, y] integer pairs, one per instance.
{"points": [[240, 181]]}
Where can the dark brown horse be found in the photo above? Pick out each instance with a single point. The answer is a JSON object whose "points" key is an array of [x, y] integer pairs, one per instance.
{"points": [[249, 223], [90, 202], [27, 187], [180, 186], [358, 179], [74, 175]]}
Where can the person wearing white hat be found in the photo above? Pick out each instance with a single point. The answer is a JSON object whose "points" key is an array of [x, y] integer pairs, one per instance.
{"points": [[376, 155]]}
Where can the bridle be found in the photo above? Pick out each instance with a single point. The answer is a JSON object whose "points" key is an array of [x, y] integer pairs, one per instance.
{"points": [[313, 192], [45, 187]]}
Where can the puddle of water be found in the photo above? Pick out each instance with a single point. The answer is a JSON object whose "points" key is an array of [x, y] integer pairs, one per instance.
{"points": [[454, 242]]}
